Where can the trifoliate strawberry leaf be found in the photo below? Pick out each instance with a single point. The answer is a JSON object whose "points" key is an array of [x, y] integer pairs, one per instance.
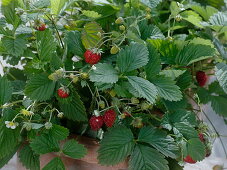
{"points": [[46, 44], [29, 159], [196, 149], [90, 35], [9, 138], [74, 109], [132, 57], [74, 43], [44, 144], [55, 164], [74, 150], [14, 46], [221, 74], [40, 87], [147, 158], [59, 132], [159, 140], [167, 88], [153, 67], [104, 73], [6, 90], [116, 145], [192, 53], [144, 88]]}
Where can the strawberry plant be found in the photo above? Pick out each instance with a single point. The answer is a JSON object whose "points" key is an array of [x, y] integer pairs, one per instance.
{"points": [[131, 74]]}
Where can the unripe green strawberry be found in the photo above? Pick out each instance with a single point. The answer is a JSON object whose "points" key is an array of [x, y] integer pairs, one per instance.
{"points": [[48, 125], [134, 100], [122, 28], [148, 10], [75, 79], [137, 122], [102, 104], [119, 20], [84, 75], [53, 77], [112, 93], [178, 18], [114, 49], [148, 16], [145, 106], [99, 34]]}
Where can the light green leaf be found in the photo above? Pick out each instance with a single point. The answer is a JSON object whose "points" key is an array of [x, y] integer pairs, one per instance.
{"points": [[132, 57], [74, 43], [91, 14], [74, 150], [29, 159], [14, 46], [46, 44], [196, 149], [167, 88], [55, 164], [44, 144], [205, 12], [90, 37], [192, 53], [192, 17], [104, 73], [145, 88], [151, 3], [6, 90], [116, 145], [57, 5], [221, 74], [219, 18], [173, 74], [59, 132], [9, 138], [40, 87], [160, 141], [153, 67], [147, 158], [74, 109]]}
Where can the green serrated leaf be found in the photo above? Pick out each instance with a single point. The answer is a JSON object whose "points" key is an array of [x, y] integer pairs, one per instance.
{"points": [[74, 109], [44, 144], [57, 5], [132, 57], [147, 158], [74, 150], [173, 74], [104, 73], [6, 90], [74, 43], [116, 145], [192, 17], [29, 159], [151, 3], [14, 46], [91, 14], [185, 129], [90, 37], [218, 103], [167, 89], [174, 106], [196, 149], [159, 140], [144, 88], [8, 157], [40, 87], [59, 132], [192, 53], [55, 164], [221, 74], [153, 67], [46, 44], [184, 80]]}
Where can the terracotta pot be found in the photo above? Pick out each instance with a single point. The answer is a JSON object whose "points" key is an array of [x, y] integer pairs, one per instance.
{"points": [[89, 162]]}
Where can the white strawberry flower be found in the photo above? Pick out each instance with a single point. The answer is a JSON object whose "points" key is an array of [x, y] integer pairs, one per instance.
{"points": [[11, 124]]}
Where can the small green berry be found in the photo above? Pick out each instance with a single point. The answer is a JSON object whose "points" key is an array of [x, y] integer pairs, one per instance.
{"points": [[102, 104], [48, 125], [84, 75], [114, 49], [134, 100], [137, 122], [148, 16], [122, 28], [119, 20]]}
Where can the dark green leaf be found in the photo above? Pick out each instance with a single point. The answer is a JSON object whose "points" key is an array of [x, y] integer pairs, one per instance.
{"points": [[132, 57], [184, 80], [6, 90], [196, 149], [185, 129], [144, 88], [146, 158], [221, 74], [116, 145], [8, 157], [40, 87], [29, 159], [55, 164], [74, 150], [104, 73], [59, 132]]}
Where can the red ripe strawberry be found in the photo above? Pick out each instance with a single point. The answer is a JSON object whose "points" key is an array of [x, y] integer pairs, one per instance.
{"points": [[201, 137], [92, 57], [63, 92], [96, 122], [109, 117], [189, 159], [41, 27], [201, 78]]}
